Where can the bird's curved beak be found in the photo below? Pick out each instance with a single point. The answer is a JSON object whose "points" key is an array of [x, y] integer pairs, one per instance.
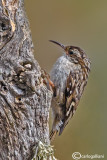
{"points": [[59, 44]]}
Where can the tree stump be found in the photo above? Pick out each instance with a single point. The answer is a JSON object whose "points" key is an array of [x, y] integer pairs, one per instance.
{"points": [[24, 99]]}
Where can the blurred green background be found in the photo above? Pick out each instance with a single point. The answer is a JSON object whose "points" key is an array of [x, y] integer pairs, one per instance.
{"points": [[82, 23]]}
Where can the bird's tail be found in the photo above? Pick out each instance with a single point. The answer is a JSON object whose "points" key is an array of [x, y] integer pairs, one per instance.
{"points": [[62, 127], [55, 129], [52, 135]]}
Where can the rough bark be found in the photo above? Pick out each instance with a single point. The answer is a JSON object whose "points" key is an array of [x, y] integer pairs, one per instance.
{"points": [[24, 99]]}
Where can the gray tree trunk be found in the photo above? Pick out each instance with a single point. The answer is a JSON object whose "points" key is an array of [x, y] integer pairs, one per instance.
{"points": [[24, 99]]}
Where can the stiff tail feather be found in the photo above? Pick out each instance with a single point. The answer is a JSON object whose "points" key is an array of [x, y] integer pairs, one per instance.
{"points": [[52, 135], [62, 128]]}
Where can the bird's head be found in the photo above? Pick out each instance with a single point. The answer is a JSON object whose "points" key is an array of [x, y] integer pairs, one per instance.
{"points": [[73, 53]]}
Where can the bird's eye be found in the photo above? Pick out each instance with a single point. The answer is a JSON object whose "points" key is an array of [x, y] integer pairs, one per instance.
{"points": [[71, 52]]}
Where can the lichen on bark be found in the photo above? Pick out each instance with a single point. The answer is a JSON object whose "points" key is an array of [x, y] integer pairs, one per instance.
{"points": [[24, 99]]}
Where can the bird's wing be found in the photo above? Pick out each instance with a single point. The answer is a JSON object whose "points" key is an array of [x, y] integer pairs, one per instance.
{"points": [[72, 96], [74, 88]]}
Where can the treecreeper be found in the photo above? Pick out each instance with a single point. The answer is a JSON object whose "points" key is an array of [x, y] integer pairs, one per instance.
{"points": [[69, 76], [25, 99]]}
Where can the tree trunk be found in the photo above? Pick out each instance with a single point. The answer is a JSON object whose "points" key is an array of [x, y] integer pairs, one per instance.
{"points": [[24, 99]]}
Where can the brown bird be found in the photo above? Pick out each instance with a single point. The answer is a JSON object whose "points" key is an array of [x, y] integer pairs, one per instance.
{"points": [[69, 76]]}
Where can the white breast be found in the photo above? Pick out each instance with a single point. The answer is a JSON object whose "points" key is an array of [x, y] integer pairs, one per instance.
{"points": [[61, 71]]}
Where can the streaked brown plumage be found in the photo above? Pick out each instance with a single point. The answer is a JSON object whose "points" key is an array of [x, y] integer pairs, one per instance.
{"points": [[69, 76]]}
